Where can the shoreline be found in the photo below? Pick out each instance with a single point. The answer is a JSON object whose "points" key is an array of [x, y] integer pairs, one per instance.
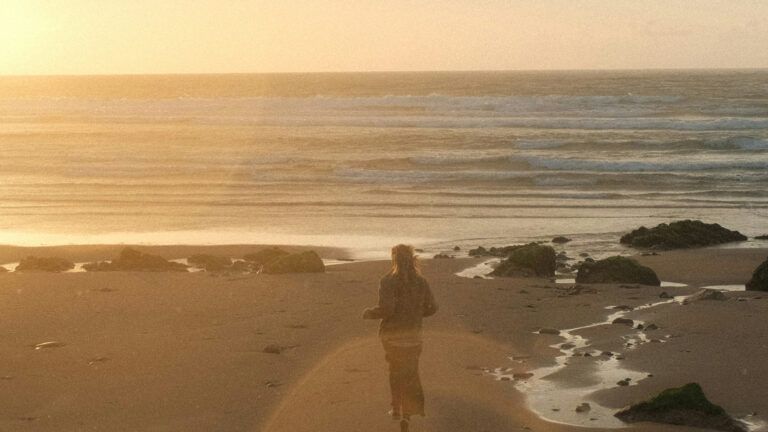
{"points": [[117, 327]]}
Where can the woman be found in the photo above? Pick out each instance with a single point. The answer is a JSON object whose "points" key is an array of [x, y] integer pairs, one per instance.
{"points": [[404, 299]]}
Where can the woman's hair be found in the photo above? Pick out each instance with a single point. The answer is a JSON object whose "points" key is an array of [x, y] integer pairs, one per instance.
{"points": [[405, 265]]}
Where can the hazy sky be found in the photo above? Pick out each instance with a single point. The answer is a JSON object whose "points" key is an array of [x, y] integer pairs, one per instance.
{"points": [[164, 36]]}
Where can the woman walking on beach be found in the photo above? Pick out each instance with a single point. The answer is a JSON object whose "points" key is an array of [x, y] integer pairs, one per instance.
{"points": [[404, 299]]}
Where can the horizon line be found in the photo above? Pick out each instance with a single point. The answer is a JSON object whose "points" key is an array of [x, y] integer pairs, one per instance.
{"points": [[416, 71]]}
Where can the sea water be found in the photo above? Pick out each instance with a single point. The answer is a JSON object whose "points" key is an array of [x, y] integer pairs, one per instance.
{"points": [[363, 160]]}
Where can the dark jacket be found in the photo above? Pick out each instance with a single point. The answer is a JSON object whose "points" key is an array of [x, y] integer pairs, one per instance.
{"points": [[402, 305]]}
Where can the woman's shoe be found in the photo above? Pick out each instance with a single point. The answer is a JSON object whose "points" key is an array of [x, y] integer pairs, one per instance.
{"points": [[404, 423]]}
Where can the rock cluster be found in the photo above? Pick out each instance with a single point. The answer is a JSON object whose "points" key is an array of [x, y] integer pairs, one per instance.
{"points": [[686, 406], [681, 234], [211, 263], [531, 260], [616, 269], [133, 260], [44, 264]]}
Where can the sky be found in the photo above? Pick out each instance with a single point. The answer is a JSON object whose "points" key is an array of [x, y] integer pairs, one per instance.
{"points": [[221, 36]]}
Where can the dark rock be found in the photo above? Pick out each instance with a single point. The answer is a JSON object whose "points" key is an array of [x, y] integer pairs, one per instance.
{"points": [[549, 331], [686, 406], [241, 266], [263, 256], [583, 254], [44, 264], [133, 260], [302, 262], [762, 237], [442, 256], [625, 321], [560, 240], [210, 263], [665, 295], [759, 281], [589, 260], [624, 382], [522, 376], [584, 407], [273, 349], [456, 248], [528, 261], [707, 294], [616, 270], [681, 234], [651, 327]]}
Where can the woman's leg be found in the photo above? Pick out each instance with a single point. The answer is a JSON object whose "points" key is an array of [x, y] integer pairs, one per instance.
{"points": [[412, 392]]}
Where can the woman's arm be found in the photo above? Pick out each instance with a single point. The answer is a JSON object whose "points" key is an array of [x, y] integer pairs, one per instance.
{"points": [[386, 306], [430, 306]]}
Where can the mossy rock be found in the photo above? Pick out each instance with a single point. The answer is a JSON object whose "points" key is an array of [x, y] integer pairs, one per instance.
{"points": [[263, 256], [686, 406], [303, 262], [44, 264], [531, 260], [616, 269], [759, 281], [680, 235]]}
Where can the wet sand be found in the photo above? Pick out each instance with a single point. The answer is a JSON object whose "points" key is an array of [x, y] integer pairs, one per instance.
{"points": [[162, 351]]}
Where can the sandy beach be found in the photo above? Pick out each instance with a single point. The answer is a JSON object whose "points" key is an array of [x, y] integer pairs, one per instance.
{"points": [[184, 351]]}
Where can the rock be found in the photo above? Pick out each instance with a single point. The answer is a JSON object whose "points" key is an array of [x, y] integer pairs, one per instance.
{"points": [[549, 331], [707, 294], [44, 264], [302, 262], [623, 321], [211, 263], [651, 327], [456, 248], [616, 269], [584, 407], [624, 382], [560, 240], [665, 295], [686, 406], [623, 307], [531, 260], [272, 349], [759, 281], [681, 234], [241, 266], [583, 254], [133, 260], [263, 256], [442, 256], [762, 237], [522, 376]]}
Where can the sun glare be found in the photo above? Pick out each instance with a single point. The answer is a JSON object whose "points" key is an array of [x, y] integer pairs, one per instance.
{"points": [[22, 27]]}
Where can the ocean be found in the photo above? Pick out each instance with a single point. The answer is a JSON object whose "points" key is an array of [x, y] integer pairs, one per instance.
{"points": [[364, 160]]}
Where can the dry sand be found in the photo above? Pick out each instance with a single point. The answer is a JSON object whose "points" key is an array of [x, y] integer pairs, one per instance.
{"points": [[184, 352]]}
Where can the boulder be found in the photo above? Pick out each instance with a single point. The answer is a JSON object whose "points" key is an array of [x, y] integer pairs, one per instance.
{"points": [[211, 263], [560, 240], [302, 262], [456, 248], [44, 264], [707, 294], [531, 260], [265, 255], [133, 260], [759, 281], [681, 234], [685, 406], [442, 256], [762, 237], [616, 269]]}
